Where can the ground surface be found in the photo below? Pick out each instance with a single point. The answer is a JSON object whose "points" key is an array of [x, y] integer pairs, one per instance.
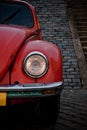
{"points": [[73, 115]]}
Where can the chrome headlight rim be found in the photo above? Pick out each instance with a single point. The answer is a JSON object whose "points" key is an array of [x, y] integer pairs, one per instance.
{"points": [[39, 54]]}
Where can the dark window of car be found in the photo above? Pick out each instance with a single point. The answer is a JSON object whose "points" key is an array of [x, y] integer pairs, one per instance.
{"points": [[16, 14]]}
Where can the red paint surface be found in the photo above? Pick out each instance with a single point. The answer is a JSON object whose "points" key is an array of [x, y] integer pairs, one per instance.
{"points": [[15, 44]]}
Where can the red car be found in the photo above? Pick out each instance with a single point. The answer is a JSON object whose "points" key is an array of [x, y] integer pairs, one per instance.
{"points": [[30, 68]]}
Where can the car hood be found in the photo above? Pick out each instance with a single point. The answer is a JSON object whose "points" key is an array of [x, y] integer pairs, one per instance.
{"points": [[11, 39]]}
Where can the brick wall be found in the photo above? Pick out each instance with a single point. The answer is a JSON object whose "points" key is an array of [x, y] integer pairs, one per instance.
{"points": [[55, 28]]}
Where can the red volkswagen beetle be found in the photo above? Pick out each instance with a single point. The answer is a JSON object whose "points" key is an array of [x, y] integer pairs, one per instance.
{"points": [[30, 68]]}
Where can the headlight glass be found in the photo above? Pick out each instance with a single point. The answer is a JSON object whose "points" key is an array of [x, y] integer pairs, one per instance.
{"points": [[35, 64]]}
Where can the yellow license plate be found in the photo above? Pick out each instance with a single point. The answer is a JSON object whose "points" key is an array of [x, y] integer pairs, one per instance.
{"points": [[2, 99]]}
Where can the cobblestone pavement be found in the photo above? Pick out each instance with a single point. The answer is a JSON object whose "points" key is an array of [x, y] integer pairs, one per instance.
{"points": [[73, 114]]}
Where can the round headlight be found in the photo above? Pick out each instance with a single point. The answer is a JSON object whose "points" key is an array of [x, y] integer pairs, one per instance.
{"points": [[35, 64]]}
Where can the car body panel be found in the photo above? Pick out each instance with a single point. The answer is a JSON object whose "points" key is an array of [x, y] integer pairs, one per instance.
{"points": [[9, 46]]}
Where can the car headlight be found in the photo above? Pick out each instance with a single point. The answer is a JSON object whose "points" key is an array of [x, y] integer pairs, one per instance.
{"points": [[35, 64]]}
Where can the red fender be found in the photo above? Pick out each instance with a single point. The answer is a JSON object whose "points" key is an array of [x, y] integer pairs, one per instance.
{"points": [[53, 54]]}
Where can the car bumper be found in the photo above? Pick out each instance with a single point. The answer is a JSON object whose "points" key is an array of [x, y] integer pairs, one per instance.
{"points": [[32, 90]]}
